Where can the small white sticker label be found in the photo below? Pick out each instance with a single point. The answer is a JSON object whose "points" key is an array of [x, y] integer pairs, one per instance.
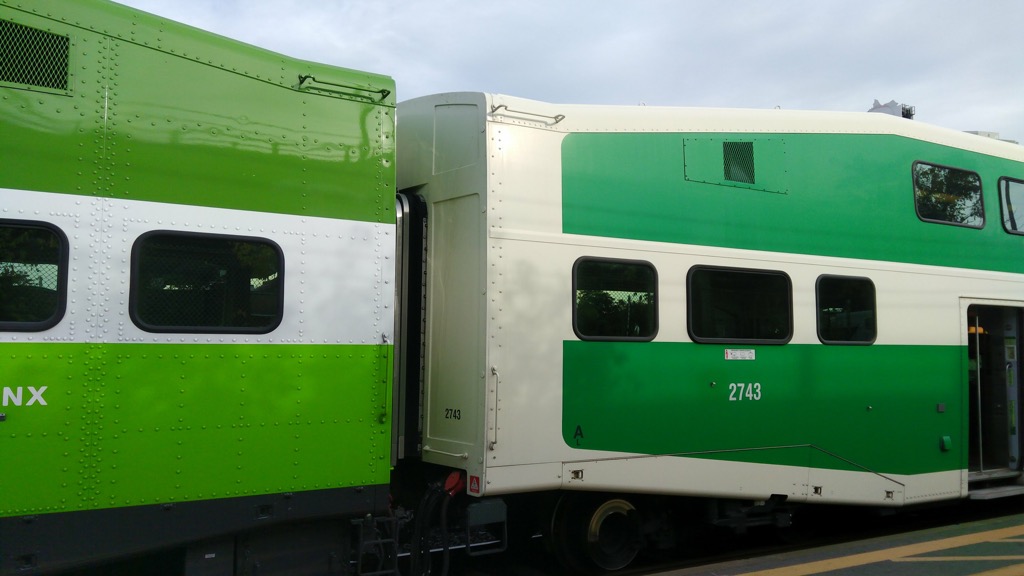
{"points": [[739, 354]]}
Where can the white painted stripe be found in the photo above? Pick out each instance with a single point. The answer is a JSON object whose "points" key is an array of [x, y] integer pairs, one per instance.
{"points": [[727, 479], [917, 304], [339, 274]]}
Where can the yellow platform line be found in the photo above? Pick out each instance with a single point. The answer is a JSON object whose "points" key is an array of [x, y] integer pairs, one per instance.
{"points": [[956, 558], [898, 552]]}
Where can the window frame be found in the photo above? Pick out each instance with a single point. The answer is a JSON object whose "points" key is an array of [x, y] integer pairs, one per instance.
{"points": [[817, 310], [981, 195], [62, 278], [135, 289], [746, 341], [575, 316], [1005, 182]]}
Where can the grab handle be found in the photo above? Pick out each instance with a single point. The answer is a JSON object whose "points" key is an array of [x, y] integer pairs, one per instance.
{"points": [[557, 117], [384, 92]]}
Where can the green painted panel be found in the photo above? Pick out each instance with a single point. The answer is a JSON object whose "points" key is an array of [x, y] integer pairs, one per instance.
{"points": [[130, 424], [163, 112], [826, 194], [837, 407]]}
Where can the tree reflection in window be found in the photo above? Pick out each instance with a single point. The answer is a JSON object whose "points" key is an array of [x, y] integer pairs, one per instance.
{"points": [[948, 195], [33, 261], [614, 300]]}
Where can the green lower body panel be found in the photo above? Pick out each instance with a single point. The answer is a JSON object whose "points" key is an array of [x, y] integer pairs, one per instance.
{"points": [[884, 409], [93, 426]]}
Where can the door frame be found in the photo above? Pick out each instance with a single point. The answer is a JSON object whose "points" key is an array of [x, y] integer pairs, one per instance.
{"points": [[1013, 398]]}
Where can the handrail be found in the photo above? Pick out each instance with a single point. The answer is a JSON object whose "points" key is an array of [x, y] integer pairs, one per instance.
{"points": [[463, 455], [497, 379], [557, 117], [384, 92]]}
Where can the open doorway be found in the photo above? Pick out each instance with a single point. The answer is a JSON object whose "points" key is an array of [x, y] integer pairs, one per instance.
{"points": [[993, 349]]}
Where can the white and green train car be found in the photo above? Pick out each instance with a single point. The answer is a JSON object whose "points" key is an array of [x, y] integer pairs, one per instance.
{"points": [[757, 307]]}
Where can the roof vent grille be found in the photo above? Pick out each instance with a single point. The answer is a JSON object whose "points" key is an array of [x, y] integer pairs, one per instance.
{"points": [[33, 57], [739, 161]]}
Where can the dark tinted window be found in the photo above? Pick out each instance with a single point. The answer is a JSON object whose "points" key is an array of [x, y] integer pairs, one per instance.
{"points": [[735, 305], [846, 310], [948, 195], [206, 283], [33, 275], [614, 300], [1011, 194]]}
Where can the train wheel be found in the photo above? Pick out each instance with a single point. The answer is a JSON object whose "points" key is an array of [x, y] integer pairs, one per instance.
{"points": [[594, 535], [613, 535]]}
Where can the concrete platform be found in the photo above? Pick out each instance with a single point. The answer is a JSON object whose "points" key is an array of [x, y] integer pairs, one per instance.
{"points": [[993, 547]]}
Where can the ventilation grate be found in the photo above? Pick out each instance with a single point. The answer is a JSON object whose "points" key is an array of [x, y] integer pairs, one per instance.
{"points": [[33, 57], [739, 161]]}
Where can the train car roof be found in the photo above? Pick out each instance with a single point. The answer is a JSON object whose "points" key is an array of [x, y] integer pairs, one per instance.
{"points": [[145, 29], [620, 118]]}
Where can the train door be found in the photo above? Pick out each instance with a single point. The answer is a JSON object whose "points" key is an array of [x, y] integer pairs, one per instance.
{"points": [[994, 391], [410, 255]]}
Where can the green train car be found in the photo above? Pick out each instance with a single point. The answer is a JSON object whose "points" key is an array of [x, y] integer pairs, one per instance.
{"points": [[224, 346], [196, 289]]}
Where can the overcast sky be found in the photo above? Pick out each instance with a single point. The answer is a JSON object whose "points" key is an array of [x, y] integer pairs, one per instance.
{"points": [[961, 64]]}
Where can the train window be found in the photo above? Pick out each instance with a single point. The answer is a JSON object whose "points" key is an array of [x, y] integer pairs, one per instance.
{"points": [[1011, 194], [948, 195], [846, 310], [33, 275], [738, 305], [183, 282], [614, 299]]}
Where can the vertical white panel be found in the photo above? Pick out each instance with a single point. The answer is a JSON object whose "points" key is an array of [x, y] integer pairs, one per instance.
{"points": [[455, 379], [457, 136]]}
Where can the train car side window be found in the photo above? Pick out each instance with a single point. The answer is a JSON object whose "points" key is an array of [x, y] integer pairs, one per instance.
{"points": [[948, 195], [184, 282], [1011, 196], [33, 275], [614, 300], [739, 305], [846, 310]]}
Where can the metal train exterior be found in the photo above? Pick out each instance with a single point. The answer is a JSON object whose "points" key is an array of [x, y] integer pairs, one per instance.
{"points": [[219, 335], [741, 305], [197, 276]]}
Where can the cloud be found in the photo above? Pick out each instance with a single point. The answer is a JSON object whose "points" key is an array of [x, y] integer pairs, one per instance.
{"points": [[957, 62]]}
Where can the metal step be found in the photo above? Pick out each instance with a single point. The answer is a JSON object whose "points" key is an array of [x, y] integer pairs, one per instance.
{"points": [[377, 545], [990, 475], [996, 492]]}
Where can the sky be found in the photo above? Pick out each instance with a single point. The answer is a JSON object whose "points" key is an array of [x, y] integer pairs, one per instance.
{"points": [[960, 64]]}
